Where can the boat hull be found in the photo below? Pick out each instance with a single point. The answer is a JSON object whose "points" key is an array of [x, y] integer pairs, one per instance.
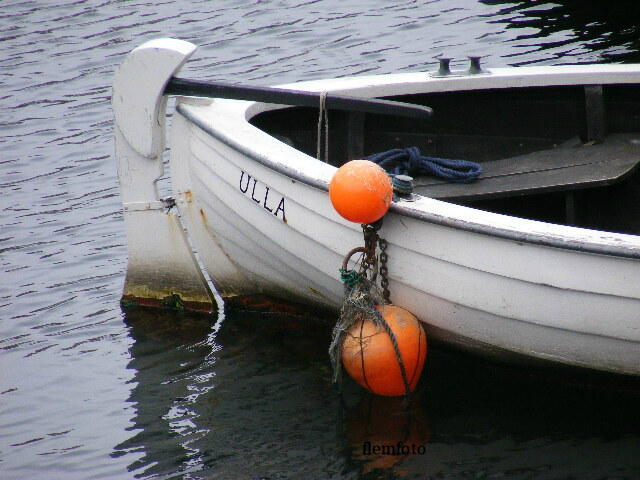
{"points": [[470, 288], [260, 222]]}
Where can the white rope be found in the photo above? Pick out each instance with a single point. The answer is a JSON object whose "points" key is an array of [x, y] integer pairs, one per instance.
{"points": [[323, 117]]}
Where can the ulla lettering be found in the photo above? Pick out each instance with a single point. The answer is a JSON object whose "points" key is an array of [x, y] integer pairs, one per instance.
{"points": [[262, 194]]}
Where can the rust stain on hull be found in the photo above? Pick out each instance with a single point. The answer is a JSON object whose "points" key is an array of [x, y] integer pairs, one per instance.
{"points": [[267, 304], [170, 302]]}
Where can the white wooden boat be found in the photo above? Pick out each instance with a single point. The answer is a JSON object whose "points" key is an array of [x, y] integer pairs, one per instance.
{"points": [[499, 271]]}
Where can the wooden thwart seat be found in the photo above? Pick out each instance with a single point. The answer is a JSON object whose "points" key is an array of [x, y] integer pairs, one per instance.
{"points": [[569, 166]]}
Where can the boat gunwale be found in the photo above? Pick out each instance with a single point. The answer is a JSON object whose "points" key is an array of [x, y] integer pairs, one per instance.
{"points": [[248, 110]]}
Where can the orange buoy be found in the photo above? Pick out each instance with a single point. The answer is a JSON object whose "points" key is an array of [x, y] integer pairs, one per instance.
{"points": [[369, 358], [361, 191]]}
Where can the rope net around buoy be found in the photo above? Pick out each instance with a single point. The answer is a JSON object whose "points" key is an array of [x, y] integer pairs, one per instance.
{"points": [[362, 295]]}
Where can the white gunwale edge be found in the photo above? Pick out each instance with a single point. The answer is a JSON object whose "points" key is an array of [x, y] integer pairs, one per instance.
{"points": [[310, 171]]}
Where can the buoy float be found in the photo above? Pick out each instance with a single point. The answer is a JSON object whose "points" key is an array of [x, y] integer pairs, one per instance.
{"points": [[369, 358], [361, 191]]}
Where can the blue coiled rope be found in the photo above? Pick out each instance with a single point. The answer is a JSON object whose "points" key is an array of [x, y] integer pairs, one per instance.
{"points": [[409, 161]]}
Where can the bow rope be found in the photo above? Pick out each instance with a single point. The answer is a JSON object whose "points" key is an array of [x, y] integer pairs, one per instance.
{"points": [[409, 161]]}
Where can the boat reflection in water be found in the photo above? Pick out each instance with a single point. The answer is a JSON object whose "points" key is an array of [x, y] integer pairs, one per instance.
{"points": [[254, 400], [611, 29], [174, 364]]}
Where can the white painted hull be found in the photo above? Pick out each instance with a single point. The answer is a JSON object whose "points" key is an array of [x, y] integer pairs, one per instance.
{"points": [[474, 289], [259, 216]]}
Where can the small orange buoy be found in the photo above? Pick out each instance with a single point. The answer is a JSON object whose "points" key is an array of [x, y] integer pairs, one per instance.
{"points": [[369, 358], [361, 191]]}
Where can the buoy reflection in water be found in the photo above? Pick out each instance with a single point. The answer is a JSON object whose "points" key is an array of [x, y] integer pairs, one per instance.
{"points": [[382, 431]]}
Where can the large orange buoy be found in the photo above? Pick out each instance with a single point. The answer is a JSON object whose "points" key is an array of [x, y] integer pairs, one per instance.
{"points": [[369, 358], [361, 191]]}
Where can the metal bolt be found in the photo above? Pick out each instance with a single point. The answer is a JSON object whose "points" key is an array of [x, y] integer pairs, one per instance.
{"points": [[403, 185]]}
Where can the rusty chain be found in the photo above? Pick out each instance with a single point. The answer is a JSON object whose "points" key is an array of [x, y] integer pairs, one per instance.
{"points": [[384, 272]]}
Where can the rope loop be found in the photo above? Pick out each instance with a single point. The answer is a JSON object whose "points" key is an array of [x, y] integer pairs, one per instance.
{"points": [[409, 161]]}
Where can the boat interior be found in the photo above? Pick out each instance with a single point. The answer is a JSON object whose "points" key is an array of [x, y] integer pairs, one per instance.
{"points": [[568, 155]]}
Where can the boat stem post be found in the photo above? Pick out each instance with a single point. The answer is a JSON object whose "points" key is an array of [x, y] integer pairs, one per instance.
{"points": [[162, 269]]}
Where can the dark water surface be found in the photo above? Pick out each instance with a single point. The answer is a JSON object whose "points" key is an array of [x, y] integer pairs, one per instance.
{"points": [[89, 392]]}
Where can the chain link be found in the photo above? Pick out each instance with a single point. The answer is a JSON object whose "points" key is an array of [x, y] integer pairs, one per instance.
{"points": [[384, 272], [372, 265], [371, 244]]}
